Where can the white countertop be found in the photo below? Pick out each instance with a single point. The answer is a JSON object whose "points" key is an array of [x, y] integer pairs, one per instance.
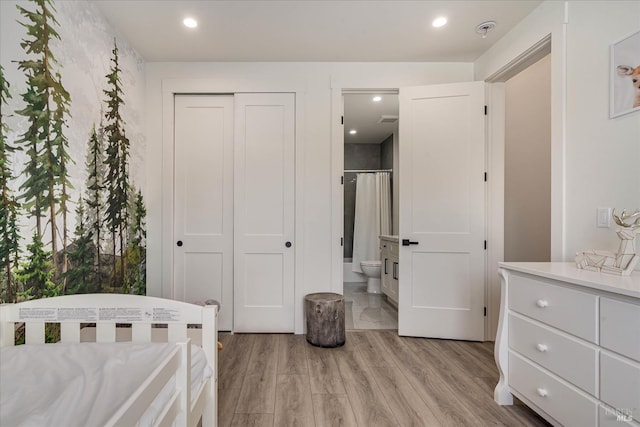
{"points": [[389, 238], [568, 272]]}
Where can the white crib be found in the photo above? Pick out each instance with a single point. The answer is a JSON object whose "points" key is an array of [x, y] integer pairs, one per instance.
{"points": [[144, 319]]}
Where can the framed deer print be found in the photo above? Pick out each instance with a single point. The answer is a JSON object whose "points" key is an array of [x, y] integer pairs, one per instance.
{"points": [[624, 95]]}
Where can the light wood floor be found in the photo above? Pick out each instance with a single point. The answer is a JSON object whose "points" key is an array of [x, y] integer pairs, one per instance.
{"points": [[375, 379]]}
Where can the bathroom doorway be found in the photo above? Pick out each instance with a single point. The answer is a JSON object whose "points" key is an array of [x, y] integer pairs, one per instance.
{"points": [[441, 287], [370, 208]]}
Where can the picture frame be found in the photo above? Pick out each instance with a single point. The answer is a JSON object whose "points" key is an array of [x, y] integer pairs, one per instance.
{"points": [[624, 94]]}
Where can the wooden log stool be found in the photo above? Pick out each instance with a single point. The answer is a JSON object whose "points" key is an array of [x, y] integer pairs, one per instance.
{"points": [[325, 319]]}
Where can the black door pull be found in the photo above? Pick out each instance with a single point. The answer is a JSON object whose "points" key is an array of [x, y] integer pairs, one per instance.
{"points": [[288, 244], [179, 243], [407, 242]]}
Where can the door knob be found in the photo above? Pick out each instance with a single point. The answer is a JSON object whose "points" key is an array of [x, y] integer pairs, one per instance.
{"points": [[288, 244], [179, 243], [407, 242]]}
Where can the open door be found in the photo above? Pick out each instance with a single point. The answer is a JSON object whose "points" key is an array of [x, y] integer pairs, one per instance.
{"points": [[442, 211]]}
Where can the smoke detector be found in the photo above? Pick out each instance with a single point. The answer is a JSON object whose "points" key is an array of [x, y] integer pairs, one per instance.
{"points": [[387, 119], [485, 27]]}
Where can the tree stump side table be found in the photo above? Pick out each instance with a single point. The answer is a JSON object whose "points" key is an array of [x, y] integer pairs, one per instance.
{"points": [[325, 319]]}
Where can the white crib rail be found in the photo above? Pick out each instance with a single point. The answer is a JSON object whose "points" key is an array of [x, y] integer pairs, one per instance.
{"points": [[106, 311]]}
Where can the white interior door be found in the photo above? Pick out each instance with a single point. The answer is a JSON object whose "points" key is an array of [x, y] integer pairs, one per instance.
{"points": [[203, 217], [442, 205], [264, 212]]}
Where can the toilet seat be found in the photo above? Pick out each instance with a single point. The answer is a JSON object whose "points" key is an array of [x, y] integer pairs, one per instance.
{"points": [[371, 263]]}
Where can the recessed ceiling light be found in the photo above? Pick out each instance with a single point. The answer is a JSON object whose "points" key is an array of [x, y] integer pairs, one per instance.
{"points": [[353, 131], [377, 98], [439, 22], [190, 23]]}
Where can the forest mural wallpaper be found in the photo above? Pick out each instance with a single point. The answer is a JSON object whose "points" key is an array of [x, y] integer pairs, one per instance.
{"points": [[72, 214]]}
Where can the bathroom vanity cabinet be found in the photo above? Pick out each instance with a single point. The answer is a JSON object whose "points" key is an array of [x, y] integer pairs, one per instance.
{"points": [[389, 257], [568, 343]]}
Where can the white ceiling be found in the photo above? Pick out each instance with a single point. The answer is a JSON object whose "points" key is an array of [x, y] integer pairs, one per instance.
{"points": [[306, 30], [363, 115], [316, 30]]}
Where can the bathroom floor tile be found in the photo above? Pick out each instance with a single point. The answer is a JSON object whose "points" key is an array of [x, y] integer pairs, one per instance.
{"points": [[367, 311]]}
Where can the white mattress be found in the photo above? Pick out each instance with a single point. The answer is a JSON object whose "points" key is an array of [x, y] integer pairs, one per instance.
{"points": [[81, 384]]}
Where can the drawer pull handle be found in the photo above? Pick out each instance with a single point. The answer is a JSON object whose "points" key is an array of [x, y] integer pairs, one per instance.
{"points": [[542, 347], [543, 392], [542, 303]]}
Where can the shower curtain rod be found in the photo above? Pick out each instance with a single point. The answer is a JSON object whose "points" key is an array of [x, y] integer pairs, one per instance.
{"points": [[368, 170]]}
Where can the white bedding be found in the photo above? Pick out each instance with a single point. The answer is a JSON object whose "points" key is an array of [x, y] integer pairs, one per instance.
{"points": [[81, 384]]}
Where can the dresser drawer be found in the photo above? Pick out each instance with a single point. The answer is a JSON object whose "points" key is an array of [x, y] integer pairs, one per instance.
{"points": [[565, 356], [620, 327], [561, 401], [620, 383], [566, 309]]}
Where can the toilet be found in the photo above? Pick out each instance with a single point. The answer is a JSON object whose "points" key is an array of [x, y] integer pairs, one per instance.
{"points": [[372, 269]]}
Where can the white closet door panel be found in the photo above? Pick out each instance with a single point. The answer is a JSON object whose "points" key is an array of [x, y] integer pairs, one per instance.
{"points": [[202, 271], [203, 217], [264, 212], [265, 272], [264, 162]]}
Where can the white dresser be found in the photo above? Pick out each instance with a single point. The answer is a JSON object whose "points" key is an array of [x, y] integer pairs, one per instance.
{"points": [[568, 344]]}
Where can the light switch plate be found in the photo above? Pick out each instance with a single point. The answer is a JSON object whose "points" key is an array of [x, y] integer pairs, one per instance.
{"points": [[603, 219]]}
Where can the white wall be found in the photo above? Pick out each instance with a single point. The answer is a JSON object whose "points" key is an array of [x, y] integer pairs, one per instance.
{"points": [[595, 160], [602, 154], [316, 81]]}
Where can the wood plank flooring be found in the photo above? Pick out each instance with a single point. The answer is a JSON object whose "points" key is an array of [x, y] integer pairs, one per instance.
{"points": [[376, 379]]}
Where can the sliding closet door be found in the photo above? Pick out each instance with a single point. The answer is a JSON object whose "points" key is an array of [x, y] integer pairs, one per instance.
{"points": [[203, 201], [264, 213]]}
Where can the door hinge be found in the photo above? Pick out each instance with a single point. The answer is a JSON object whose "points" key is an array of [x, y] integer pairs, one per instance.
{"points": [[485, 177], [486, 110], [342, 120], [485, 312], [342, 241], [485, 245], [342, 180]]}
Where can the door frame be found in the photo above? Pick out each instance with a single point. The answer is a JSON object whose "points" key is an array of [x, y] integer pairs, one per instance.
{"points": [[337, 191], [495, 99], [172, 87], [337, 171]]}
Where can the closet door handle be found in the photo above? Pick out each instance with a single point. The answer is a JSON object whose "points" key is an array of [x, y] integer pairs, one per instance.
{"points": [[407, 242], [288, 244], [179, 243], [395, 271], [385, 266]]}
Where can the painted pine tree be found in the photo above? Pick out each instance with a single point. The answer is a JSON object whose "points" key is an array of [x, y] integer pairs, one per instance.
{"points": [[137, 248], [9, 206], [117, 162], [81, 276], [46, 176], [94, 196], [36, 274]]}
